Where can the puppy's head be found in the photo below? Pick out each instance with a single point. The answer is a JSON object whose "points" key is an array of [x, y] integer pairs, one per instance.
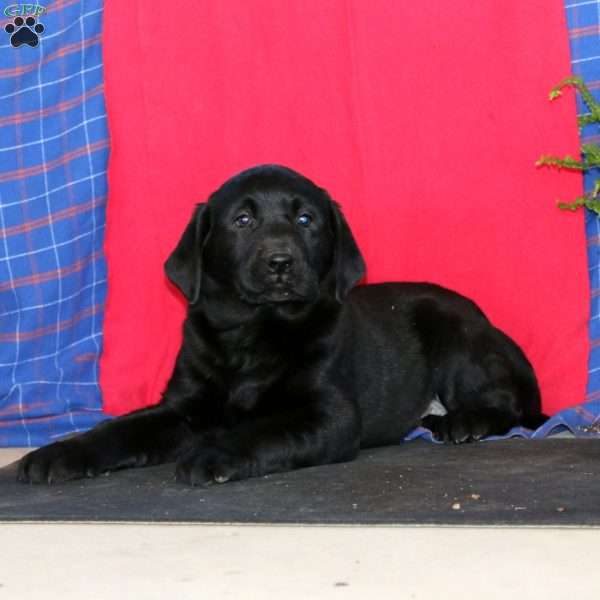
{"points": [[270, 236]]}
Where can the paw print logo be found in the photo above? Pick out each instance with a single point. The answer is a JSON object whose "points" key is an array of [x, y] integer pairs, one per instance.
{"points": [[24, 31]]}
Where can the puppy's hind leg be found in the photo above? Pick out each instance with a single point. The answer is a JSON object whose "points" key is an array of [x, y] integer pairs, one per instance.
{"points": [[490, 387], [493, 409]]}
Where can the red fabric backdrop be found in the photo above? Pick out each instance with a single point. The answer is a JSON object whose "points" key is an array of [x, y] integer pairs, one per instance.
{"points": [[424, 120]]}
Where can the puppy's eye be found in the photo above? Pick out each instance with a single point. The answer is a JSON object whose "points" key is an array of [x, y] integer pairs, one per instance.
{"points": [[304, 219], [243, 220]]}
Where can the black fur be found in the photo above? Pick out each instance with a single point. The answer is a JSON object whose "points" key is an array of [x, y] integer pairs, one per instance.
{"points": [[285, 363]]}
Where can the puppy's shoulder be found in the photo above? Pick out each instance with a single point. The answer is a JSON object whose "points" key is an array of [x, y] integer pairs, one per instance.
{"points": [[394, 291]]}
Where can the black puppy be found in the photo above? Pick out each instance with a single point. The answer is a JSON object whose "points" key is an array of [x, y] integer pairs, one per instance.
{"points": [[286, 364]]}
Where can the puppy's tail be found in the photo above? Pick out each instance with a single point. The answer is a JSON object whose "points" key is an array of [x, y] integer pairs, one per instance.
{"points": [[534, 421]]}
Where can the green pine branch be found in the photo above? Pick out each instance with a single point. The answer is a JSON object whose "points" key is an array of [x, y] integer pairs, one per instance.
{"points": [[588, 200], [594, 115], [568, 162], [592, 155], [590, 152]]}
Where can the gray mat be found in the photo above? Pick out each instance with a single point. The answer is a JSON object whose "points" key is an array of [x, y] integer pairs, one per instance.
{"points": [[514, 482]]}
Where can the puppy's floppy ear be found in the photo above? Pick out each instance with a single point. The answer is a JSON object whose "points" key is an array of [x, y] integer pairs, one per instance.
{"points": [[184, 265], [348, 263]]}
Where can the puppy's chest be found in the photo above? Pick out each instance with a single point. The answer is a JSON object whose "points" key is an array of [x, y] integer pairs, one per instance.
{"points": [[248, 377]]}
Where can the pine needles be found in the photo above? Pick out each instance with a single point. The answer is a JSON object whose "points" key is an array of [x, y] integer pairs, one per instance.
{"points": [[590, 153]]}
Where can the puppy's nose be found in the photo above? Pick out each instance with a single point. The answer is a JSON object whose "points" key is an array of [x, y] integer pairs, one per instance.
{"points": [[280, 262]]}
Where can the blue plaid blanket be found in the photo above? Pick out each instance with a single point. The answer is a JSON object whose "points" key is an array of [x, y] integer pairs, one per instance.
{"points": [[53, 158], [583, 19]]}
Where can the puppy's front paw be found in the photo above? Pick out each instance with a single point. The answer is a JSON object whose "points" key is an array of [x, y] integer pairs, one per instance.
{"points": [[57, 462], [205, 466]]}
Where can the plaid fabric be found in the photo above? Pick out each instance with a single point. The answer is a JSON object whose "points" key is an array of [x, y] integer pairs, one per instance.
{"points": [[53, 159], [583, 19], [53, 155]]}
